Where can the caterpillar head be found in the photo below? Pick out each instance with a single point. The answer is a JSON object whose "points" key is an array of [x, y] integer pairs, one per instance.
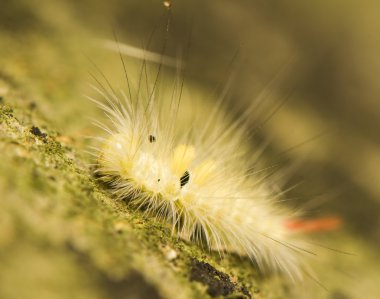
{"points": [[145, 166]]}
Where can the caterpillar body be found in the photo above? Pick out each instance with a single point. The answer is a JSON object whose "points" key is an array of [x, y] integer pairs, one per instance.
{"points": [[186, 162]]}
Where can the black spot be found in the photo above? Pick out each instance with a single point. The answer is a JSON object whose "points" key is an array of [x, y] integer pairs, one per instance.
{"points": [[152, 139], [185, 178], [32, 105], [36, 131], [158, 180]]}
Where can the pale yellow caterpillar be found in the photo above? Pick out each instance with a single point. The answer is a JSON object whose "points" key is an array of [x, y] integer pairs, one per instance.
{"points": [[185, 161]]}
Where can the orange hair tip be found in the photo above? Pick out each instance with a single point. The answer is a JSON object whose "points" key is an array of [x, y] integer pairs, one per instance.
{"points": [[314, 225]]}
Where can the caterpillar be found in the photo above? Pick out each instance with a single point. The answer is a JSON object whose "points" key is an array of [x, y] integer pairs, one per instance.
{"points": [[187, 162]]}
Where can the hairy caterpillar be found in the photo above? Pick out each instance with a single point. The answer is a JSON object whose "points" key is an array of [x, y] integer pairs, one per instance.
{"points": [[187, 162]]}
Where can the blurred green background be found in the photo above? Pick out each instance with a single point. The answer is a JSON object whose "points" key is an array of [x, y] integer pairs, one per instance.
{"points": [[325, 54]]}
